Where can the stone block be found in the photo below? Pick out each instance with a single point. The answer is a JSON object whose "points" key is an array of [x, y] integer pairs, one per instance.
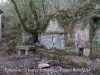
{"points": [[86, 52]]}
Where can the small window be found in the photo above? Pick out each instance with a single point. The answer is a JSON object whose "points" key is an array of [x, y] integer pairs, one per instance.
{"points": [[53, 44], [53, 39]]}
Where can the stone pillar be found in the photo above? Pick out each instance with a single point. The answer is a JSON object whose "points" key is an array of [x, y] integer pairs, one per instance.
{"points": [[19, 52], [62, 42], [26, 52], [0, 26]]}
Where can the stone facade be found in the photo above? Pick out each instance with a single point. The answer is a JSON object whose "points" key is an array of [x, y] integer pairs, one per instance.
{"points": [[54, 36], [58, 41], [97, 39], [81, 38], [0, 24]]}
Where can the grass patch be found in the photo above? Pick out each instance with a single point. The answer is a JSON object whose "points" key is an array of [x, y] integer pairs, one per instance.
{"points": [[52, 56]]}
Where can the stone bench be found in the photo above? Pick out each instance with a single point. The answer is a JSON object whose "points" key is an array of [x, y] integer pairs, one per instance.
{"points": [[25, 49]]}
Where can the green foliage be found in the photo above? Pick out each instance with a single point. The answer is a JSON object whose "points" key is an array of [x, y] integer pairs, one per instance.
{"points": [[64, 57], [52, 56], [94, 36], [58, 20], [10, 24], [7, 49], [68, 29], [10, 49], [96, 41]]}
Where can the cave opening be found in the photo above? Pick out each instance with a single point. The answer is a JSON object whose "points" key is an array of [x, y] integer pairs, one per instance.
{"points": [[80, 51]]}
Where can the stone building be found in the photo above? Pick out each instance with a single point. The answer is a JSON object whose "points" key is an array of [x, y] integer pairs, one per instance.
{"points": [[54, 35], [0, 23]]}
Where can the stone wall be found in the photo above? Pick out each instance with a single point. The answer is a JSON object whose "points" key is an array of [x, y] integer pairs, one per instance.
{"points": [[25, 38], [97, 39], [81, 36]]}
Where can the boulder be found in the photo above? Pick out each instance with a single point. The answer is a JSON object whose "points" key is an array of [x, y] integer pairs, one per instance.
{"points": [[76, 62], [79, 63], [43, 65]]}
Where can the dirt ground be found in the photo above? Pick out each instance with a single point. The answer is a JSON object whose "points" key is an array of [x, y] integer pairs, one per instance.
{"points": [[28, 65]]}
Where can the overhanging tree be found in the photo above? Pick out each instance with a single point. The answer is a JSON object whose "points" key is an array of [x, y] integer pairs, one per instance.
{"points": [[37, 25]]}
